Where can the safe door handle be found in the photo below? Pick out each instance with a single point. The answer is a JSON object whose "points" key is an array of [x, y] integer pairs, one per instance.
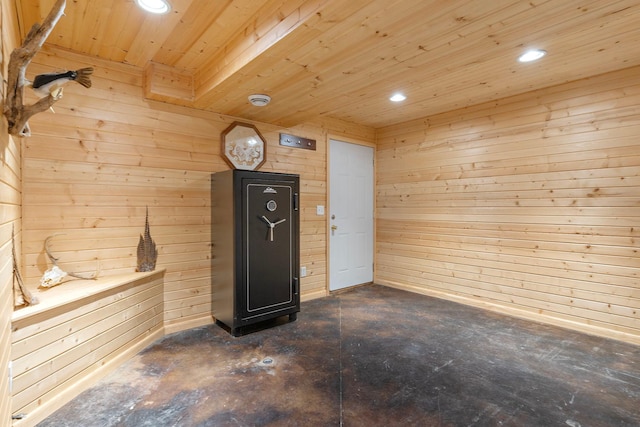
{"points": [[272, 225]]}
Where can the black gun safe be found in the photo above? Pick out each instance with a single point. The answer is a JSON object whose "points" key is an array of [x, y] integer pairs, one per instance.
{"points": [[255, 245]]}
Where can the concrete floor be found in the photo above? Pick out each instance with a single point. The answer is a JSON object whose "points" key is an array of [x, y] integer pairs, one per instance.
{"points": [[373, 356]]}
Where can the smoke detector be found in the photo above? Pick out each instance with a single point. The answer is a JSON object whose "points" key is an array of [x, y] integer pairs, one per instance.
{"points": [[259, 100]]}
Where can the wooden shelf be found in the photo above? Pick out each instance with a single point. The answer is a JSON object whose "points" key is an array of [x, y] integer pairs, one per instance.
{"points": [[74, 293]]}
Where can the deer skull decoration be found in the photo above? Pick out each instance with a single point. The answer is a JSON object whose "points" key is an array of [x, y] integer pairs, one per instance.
{"points": [[55, 275]]}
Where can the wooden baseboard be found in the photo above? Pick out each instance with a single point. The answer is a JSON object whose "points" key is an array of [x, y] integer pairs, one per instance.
{"points": [[183, 325], [521, 314], [308, 296]]}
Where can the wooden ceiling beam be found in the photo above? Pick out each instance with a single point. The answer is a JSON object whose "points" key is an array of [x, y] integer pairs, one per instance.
{"points": [[224, 25], [250, 46], [198, 34], [168, 84]]}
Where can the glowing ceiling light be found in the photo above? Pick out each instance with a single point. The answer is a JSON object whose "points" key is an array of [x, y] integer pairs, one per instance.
{"points": [[532, 55], [155, 6], [397, 97]]}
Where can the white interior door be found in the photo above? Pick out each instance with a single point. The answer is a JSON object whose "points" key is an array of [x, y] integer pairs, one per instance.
{"points": [[350, 214]]}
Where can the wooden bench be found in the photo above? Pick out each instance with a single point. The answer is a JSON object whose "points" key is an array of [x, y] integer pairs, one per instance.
{"points": [[79, 332]]}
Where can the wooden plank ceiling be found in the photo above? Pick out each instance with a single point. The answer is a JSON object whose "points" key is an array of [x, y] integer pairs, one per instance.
{"points": [[344, 58]]}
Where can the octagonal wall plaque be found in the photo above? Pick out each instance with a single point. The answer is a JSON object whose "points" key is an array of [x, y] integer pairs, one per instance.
{"points": [[243, 147]]}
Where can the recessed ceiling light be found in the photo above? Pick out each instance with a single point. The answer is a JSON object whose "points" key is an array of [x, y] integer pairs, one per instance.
{"points": [[532, 55], [155, 6], [397, 97]]}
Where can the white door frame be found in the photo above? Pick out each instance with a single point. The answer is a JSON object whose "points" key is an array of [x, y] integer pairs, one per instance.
{"points": [[328, 211]]}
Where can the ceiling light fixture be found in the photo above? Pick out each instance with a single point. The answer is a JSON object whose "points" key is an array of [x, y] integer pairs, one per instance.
{"points": [[397, 97], [532, 55], [259, 100], [155, 6]]}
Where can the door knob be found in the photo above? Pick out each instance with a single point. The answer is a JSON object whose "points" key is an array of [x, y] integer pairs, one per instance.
{"points": [[334, 227]]}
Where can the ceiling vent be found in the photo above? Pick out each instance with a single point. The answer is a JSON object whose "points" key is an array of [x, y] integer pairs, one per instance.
{"points": [[259, 100]]}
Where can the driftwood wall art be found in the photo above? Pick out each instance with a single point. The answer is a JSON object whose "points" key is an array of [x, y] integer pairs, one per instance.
{"points": [[21, 295], [14, 109], [16, 112]]}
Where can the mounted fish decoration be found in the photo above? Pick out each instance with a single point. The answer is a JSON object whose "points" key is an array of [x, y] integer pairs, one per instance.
{"points": [[52, 83], [147, 253]]}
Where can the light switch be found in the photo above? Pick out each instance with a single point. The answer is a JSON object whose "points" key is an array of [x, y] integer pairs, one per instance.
{"points": [[319, 210]]}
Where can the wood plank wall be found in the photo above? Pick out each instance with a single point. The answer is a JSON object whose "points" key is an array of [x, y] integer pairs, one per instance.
{"points": [[529, 205], [91, 169], [9, 219], [10, 199]]}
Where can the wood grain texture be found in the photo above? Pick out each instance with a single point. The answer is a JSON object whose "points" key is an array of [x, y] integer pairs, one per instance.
{"points": [[10, 201], [530, 204], [9, 220], [344, 58], [6, 306], [92, 168]]}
